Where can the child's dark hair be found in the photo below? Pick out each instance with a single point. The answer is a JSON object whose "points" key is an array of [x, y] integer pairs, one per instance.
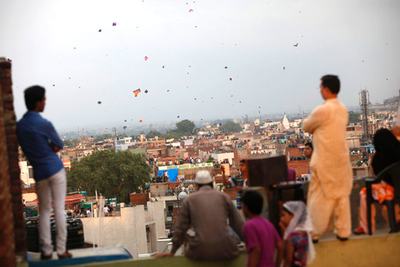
{"points": [[243, 161], [253, 201], [285, 209]]}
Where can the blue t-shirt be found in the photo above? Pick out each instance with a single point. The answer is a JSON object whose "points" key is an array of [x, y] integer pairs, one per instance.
{"points": [[34, 136]]}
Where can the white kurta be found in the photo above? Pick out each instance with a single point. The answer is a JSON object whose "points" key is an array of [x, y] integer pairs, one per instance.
{"points": [[331, 159], [330, 168]]}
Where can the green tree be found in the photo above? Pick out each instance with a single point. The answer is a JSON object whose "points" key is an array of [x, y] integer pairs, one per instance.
{"points": [[113, 174], [153, 134], [185, 127], [68, 143], [102, 137], [230, 126], [354, 117]]}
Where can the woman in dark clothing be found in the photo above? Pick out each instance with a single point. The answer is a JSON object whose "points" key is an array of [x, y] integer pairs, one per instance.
{"points": [[387, 152]]}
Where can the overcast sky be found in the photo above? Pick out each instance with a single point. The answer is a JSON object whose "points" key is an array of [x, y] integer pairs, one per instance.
{"points": [[189, 44]]}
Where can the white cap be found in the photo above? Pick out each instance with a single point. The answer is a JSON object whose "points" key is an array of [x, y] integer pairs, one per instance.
{"points": [[203, 177]]}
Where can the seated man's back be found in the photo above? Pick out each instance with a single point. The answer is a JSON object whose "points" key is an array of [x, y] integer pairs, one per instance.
{"points": [[207, 212]]}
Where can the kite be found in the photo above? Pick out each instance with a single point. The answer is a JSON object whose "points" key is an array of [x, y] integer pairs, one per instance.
{"points": [[211, 98], [178, 117], [124, 120], [284, 68], [99, 102], [146, 58], [240, 101], [226, 67], [231, 95], [220, 124], [146, 91], [55, 85], [163, 66], [190, 10], [125, 127], [100, 30], [141, 121], [9, 60], [136, 92], [195, 99], [167, 91], [114, 24], [230, 79], [296, 44]]}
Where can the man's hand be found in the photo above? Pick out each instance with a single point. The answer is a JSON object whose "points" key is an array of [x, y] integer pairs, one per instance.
{"points": [[163, 255], [54, 147]]}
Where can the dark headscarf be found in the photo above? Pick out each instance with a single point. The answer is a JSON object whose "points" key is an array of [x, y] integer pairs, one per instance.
{"points": [[387, 151]]}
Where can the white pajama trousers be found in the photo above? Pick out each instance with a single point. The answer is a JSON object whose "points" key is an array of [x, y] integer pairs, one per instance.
{"points": [[56, 185], [320, 209]]}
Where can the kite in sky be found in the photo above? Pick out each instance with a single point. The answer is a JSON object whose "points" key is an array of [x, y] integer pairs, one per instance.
{"points": [[146, 91], [125, 127], [136, 92], [141, 121], [296, 44], [190, 10], [99, 102], [114, 24], [146, 58], [230, 79]]}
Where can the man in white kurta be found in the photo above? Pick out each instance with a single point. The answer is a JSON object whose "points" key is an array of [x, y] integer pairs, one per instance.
{"points": [[330, 167]]}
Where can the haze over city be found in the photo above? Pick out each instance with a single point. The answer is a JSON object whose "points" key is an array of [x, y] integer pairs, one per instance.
{"points": [[196, 59]]}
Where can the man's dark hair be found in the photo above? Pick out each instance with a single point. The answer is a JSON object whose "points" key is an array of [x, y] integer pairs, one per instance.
{"points": [[209, 184], [253, 201], [310, 145], [243, 161], [33, 94], [332, 82]]}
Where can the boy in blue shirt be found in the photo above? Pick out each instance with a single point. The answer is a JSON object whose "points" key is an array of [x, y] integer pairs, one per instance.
{"points": [[40, 142]]}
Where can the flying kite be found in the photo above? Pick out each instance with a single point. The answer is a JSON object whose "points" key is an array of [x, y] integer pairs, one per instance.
{"points": [[125, 127], [296, 44], [146, 58], [141, 121], [114, 24], [146, 91], [230, 79], [136, 92], [99, 102]]}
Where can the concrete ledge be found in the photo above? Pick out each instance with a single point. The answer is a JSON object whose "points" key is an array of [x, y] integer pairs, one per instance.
{"points": [[378, 250], [172, 262]]}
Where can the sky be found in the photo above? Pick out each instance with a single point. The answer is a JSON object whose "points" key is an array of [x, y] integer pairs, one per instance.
{"points": [[205, 58]]}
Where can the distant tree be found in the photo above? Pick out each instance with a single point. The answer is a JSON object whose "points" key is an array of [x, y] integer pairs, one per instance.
{"points": [[102, 137], [185, 127], [153, 134], [354, 117], [210, 159], [230, 126], [68, 143], [113, 174]]}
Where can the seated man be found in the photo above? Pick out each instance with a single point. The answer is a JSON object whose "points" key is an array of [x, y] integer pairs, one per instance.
{"points": [[207, 211]]}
